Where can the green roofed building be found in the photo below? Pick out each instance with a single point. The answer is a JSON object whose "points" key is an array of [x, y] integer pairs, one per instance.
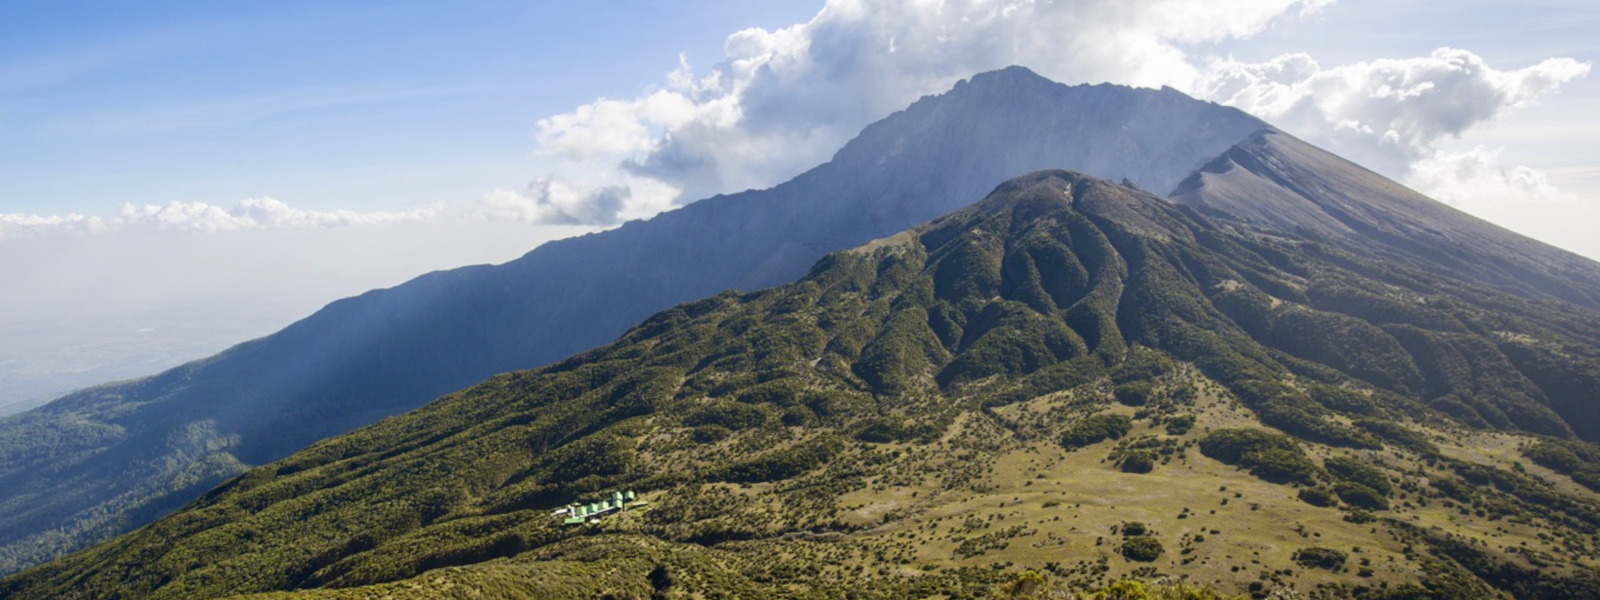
{"points": [[579, 513]]}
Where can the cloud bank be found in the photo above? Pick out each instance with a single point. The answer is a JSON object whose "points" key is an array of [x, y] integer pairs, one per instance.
{"points": [[202, 217], [1392, 115], [270, 214], [781, 101]]}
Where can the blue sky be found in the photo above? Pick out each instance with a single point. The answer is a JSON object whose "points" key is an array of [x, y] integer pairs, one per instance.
{"points": [[374, 106], [179, 176], [350, 105]]}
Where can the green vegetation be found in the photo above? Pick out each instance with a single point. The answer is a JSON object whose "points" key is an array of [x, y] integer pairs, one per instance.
{"points": [[1137, 461], [1317, 496], [1134, 393], [1141, 548], [1135, 590], [1180, 424], [1320, 558], [1575, 459], [1096, 429], [1360, 496], [1356, 471], [925, 417], [1270, 456]]}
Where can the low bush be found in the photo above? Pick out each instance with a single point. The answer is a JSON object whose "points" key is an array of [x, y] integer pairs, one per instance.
{"points": [[1317, 497], [1270, 456], [1356, 471], [1138, 461], [709, 434], [1360, 496], [1320, 558], [1134, 393], [1180, 424], [1141, 548], [1095, 429]]}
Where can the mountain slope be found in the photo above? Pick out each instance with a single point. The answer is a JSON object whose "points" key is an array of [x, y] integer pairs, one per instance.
{"points": [[1274, 180], [1070, 377], [104, 460]]}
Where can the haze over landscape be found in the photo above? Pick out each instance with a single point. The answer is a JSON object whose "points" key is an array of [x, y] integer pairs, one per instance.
{"points": [[964, 299]]}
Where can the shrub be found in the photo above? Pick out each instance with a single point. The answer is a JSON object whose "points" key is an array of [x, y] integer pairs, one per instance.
{"points": [[883, 430], [1141, 548], [1317, 497], [1025, 585], [1399, 434], [1451, 487], [1281, 465], [1577, 460], [1270, 456], [1133, 393], [1134, 528], [1132, 589], [784, 463], [1359, 516], [1180, 424], [1138, 461], [1143, 364], [732, 415], [709, 434], [1096, 429], [1320, 558], [1360, 496], [798, 416], [1354, 470]]}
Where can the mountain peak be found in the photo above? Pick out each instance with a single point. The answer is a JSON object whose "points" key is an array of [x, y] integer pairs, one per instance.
{"points": [[1008, 75], [1012, 121]]}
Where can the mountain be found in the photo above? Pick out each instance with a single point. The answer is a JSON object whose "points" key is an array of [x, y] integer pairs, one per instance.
{"points": [[1068, 383], [105, 460], [1278, 182], [1273, 182]]}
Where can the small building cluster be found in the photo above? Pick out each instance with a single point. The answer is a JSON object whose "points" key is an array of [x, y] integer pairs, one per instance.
{"points": [[577, 514]]}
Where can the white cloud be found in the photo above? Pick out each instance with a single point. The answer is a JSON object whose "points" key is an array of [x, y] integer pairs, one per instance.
{"points": [[1390, 115], [1393, 115], [202, 217], [549, 202], [782, 100], [1476, 178]]}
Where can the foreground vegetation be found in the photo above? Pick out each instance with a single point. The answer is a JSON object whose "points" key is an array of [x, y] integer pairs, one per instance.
{"points": [[1071, 379]]}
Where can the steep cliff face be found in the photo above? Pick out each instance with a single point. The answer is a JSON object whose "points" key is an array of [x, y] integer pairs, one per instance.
{"points": [[111, 458]]}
